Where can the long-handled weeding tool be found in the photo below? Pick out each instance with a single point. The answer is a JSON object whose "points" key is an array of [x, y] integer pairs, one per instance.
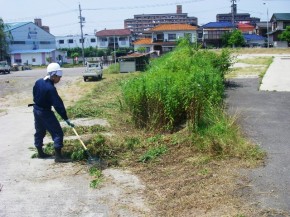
{"points": [[91, 160]]}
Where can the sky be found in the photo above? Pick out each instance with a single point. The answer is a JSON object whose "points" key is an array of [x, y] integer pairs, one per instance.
{"points": [[62, 16]]}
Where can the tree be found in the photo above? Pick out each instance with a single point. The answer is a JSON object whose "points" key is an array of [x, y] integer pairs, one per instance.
{"points": [[3, 42], [75, 56], [285, 36], [141, 49], [225, 39], [236, 39]]}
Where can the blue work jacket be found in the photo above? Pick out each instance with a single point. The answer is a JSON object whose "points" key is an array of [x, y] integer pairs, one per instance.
{"points": [[45, 96]]}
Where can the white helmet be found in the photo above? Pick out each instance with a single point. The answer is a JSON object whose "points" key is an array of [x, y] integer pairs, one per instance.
{"points": [[54, 69]]}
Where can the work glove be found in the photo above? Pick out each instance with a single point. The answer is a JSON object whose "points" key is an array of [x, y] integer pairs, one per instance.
{"points": [[69, 123]]}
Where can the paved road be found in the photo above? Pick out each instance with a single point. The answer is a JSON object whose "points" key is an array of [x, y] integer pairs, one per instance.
{"points": [[265, 117]]}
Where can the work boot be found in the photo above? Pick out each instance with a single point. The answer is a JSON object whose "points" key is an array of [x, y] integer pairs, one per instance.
{"points": [[59, 158], [41, 154]]}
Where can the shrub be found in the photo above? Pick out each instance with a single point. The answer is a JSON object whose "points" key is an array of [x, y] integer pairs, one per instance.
{"points": [[180, 86]]}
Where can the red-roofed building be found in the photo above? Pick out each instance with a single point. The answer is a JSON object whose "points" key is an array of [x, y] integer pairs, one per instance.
{"points": [[163, 37], [246, 28], [114, 38]]}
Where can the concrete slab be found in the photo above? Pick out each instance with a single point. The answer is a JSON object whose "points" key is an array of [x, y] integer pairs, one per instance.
{"points": [[277, 77]]}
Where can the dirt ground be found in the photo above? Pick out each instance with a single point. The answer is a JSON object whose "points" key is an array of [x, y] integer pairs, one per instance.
{"points": [[37, 187]]}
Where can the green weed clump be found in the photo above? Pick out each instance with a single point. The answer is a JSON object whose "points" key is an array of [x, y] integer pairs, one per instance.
{"points": [[220, 136], [113, 69], [98, 177], [153, 153], [178, 87]]}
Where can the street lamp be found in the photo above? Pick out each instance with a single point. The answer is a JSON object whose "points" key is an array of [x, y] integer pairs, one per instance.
{"points": [[267, 25]]}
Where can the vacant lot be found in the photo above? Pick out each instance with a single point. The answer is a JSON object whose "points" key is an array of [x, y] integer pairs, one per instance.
{"points": [[180, 182]]}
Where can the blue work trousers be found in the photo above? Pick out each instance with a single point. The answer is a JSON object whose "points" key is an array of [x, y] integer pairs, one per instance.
{"points": [[45, 120]]}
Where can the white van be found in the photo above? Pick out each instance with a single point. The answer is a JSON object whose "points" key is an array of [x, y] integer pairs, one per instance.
{"points": [[94, 71]]}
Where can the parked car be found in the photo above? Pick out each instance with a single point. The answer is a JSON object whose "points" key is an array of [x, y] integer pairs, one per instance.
{"points": [[20, 67], [94, 70], [4, 67]]}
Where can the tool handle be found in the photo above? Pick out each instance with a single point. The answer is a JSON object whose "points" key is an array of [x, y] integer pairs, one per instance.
{"points": [[79, 138]]}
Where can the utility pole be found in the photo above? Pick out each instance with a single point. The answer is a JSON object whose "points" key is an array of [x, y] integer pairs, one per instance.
{"points": [[268, 45], [82, 20], [234, 10], [115, 50]]}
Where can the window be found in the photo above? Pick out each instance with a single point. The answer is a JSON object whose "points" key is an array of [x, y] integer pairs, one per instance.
{"points": [[160, 37], [93, 40], [213, 34], [199, 35], [44, 42], [61, 41], [82, 40], [33, 60], [171, 37], [122, 39], [285, 24], [17, 42], [70, 41], [18, 60]]}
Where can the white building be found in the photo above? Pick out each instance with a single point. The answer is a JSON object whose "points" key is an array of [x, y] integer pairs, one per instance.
{"points": [[114, 38], [30, 44], [74, 41], [164, 37]]}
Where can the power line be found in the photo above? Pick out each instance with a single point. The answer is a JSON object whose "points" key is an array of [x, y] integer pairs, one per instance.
{"points": [[256, 12], [142, 6], [43, 15]]}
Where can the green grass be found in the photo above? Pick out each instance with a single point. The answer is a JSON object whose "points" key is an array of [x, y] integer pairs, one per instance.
{"points": [[98, 177], [113, 69], [83, 130], [153, 153]]}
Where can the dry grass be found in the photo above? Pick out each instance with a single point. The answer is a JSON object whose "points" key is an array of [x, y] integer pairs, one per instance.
{"points": [[256, 60], [262, 51], [246, 71], [248, 67], [182, 182]]}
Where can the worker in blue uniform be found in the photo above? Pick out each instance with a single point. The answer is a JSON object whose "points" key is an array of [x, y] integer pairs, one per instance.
{"points": [[45, 96]]}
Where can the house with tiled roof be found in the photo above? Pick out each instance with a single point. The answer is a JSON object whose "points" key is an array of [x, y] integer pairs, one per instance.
{"points": [[213, 32], [114, 38], [261, 28], [278, 21], [31, 44], [246, 28], [163, 37], [253, 40]]}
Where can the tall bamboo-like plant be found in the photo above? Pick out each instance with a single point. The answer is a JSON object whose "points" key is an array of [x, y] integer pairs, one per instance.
{"points": [[179, 87]]}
